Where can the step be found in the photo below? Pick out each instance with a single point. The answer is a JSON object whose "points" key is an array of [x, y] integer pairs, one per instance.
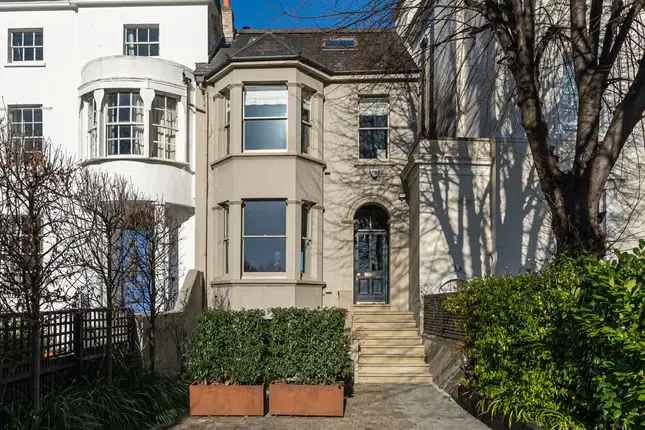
{"points": [[390, 359], [391, 342], [411, 350], [371, 308], [388, 369], [389, 379], [382, 317], [389, 325], [375, 333]]}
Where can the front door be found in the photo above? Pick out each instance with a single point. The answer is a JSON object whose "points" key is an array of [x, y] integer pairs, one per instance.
{"points": [[371, 253]]}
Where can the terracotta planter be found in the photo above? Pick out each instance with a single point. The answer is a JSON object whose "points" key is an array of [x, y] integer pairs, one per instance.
{"points": [[239, 400], [306, 400]]}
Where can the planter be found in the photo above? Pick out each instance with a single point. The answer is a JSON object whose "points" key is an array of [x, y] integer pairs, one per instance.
{"points": [[239, 400], [306, 400]]}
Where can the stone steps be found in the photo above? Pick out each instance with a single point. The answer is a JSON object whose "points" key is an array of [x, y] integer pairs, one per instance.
{"points": [[390, 348]]}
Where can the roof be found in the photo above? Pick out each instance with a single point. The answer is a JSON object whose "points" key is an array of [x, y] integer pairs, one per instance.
{"points": [[376, 51]]}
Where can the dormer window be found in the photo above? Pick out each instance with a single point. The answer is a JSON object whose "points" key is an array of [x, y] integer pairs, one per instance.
{"points": [[340, 43]]}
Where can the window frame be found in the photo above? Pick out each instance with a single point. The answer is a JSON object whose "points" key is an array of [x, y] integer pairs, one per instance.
{"points": [[353, 39], [385, 99], [132, 124], [10, 46], [285, 118], [137, 43], [306, 98], [92, 127], [244, 236], [22, 138], [226, 239], [227, 121], [305, 236], [154, 144]]}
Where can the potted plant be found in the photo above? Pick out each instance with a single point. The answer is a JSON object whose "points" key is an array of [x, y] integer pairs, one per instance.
{"points": [[307, 362], [226, 364]]}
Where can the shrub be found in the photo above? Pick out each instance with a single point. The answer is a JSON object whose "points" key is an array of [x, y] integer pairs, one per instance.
{"points": [[563, 348], [307, 346], [135, 399], [228, 347]]}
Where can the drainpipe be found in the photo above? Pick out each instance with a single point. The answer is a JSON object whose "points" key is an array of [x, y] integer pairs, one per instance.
{"points": [[187, 81]]}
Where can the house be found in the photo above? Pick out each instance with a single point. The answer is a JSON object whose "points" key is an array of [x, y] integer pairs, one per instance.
{"points": [[112, 83]]}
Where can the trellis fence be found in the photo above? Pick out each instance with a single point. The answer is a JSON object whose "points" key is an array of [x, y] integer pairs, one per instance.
{"points": [[437, 321], [73, 343]]}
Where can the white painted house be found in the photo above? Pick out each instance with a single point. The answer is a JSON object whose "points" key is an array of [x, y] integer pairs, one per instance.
{"points": [[111, 81]]}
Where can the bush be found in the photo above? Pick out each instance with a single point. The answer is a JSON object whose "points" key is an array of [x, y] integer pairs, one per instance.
{"points": [[135, 399], [228, 347], [307, 346], [563, 348]]}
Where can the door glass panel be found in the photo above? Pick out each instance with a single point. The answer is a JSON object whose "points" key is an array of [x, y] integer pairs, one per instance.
{"points": [[363, 253]]}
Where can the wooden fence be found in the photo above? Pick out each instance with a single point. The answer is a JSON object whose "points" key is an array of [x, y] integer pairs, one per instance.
{"points": [[439, 322], [72, 344]]}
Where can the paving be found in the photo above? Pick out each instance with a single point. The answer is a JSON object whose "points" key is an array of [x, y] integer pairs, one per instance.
{"points": [[372, 406]]}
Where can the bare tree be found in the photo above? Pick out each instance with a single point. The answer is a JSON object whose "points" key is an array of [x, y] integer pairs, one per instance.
{"points": [[104, 209], [541, 43], [37, 240], [152, 282]]}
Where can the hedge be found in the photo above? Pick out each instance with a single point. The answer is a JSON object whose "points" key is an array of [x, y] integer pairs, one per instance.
{"points": [[228, 347], [307, 346], [563, 348], [303, 346]]}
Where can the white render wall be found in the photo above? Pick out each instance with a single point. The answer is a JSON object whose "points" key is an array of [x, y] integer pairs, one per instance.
{"points": [[79, 32]]}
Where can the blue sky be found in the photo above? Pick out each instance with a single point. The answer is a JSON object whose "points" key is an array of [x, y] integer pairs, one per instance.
{"points": [[287, 13]]}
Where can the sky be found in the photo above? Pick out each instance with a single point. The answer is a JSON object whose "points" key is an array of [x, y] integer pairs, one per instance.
{"points": [[287, 13]]}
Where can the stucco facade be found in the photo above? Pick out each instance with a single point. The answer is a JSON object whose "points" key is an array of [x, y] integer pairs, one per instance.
{"points": [[328, 178], [87, 58]]}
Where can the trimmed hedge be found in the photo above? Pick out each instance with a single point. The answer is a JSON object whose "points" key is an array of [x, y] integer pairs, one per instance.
{"points": [[307, 346], [228, 347], [563, 348], [301, 346]]}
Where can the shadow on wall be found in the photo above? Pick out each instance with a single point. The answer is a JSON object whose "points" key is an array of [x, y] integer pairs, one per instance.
{"points": [[351, 181]]}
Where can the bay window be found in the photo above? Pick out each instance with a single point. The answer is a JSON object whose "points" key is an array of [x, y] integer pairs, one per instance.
{"points": [[264, 235], [265, 117], [373, 128], [124, 125], [164, 127]]}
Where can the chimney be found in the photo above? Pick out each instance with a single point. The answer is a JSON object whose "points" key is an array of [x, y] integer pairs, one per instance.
{"points": [[227, 21]]}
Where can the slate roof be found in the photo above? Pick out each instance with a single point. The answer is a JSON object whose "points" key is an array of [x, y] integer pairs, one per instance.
{"points": [[376, 51]]}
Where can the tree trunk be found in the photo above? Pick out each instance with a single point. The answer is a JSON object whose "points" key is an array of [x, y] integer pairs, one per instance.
{"points": [[575, 218], [152, 341]]}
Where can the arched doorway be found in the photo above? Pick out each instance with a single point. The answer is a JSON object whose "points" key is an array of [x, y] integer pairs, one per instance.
{"points": [[371, 254]]}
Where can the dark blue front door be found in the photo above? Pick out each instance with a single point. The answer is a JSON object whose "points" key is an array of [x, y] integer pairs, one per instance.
{"points": [[371, 254]]}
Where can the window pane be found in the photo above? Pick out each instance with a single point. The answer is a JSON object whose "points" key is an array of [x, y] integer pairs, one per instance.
{"points": [[39, 38], [142, 34], [142, 50], [265, 134], [124, 115], [154, 34], [265, 101], [124, 99], [373, 143], [305, 139], [305, 221], [131, 35], [28, 39], [16, 38], [39, 54], [29, 54], [264, 254], [373, 121], [28, 115], [125, 146], [17, 54], [154, 50], [38, 115], [265, 217]]}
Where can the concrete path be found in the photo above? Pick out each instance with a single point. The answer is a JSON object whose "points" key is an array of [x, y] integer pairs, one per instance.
{"points": [[372, 407]]}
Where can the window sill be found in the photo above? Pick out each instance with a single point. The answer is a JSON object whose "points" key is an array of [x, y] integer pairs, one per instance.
{"points": [[374, 162], [26, 64], [139, 158]]}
